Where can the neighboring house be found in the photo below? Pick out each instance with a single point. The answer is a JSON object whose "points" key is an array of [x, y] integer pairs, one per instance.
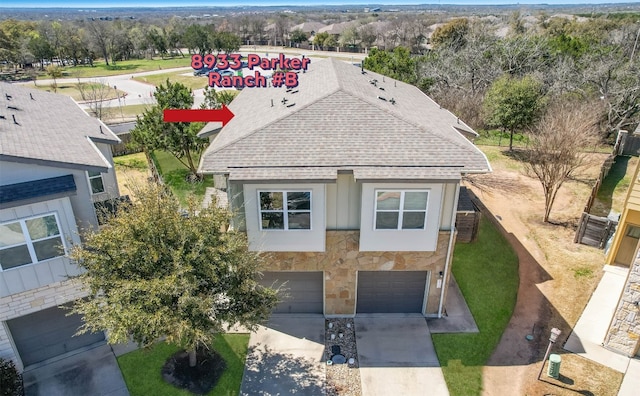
{"points": [[624, 330], [350, 182], [55, 165], [308, 27]]}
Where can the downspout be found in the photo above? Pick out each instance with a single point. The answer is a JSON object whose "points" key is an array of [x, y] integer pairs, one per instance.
{"points": [[449, 249]]}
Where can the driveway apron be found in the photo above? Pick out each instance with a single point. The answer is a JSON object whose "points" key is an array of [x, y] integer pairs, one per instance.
{"points": [[397, 357], [286, 357], [93, 372]]}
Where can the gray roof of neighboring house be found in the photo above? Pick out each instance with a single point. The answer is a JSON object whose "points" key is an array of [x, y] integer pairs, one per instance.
{"points": [[308, 27], [341, 119], [49, 129], [337, 28]]}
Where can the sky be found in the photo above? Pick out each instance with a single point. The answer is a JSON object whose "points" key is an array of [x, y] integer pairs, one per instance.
{"points": [[80, 4]]}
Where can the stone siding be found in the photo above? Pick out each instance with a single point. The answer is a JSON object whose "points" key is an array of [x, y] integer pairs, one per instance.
{"points": [[624, 333], [31, 301], [342, 259]]}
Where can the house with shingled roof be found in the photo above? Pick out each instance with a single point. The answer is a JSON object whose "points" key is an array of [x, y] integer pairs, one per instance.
{"points": [[55, 168], [349, 184]]}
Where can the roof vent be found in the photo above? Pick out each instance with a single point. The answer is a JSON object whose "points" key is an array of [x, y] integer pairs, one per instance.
{"points": [[284, 101], [381, 88], [101, 130], [31, 96], [296, 91], [271, 102], [14, 119], [381, 98], [373, 82], [393, 101], [2, 117], [12, 108], [8, 96], [291, 105]]}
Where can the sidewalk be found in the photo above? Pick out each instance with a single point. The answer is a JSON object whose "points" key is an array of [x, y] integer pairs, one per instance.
{"points": [[589, 333]]}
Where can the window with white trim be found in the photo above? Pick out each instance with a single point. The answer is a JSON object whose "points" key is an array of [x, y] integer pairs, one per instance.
{"points": [[285, 210], [401, 209], [29, 241], [95, 182]]}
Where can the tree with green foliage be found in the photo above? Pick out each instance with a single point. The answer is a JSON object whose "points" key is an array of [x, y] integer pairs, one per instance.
{"points": [[55, 72], [10, 379], [178, 138], [398, 64], [513, 104], [156, 270], [41, 49], [320, 38], [226, 42], [298, 36], [452, 34], [215, 99], [350, 37]]}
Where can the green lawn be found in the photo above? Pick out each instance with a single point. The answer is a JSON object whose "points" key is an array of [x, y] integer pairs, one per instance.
{"points": [[141, 368], [124, 67], [487, 272], [73, 91], [192, 82], [175, 175], [613, 189], [494, 137]]}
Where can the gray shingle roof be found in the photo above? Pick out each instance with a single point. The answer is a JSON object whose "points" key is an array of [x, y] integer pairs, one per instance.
{"points": [[341, 119], [49, 129]]}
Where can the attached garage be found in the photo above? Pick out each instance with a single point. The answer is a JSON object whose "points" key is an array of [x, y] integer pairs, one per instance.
{"points": [[304, 291], [48, 333], [391, 291]]}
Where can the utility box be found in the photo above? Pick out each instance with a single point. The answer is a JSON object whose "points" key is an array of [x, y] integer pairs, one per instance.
{"points": [[554, 366]]}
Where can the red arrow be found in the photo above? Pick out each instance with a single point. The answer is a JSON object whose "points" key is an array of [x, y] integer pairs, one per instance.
{"points": [[223, 115]]}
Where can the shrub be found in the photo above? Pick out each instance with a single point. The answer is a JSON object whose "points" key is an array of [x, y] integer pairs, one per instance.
{"points": [[10, 379]]}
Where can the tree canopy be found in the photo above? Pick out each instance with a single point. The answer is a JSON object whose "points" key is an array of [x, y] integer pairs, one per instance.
{"points": [[155, 270], [513, 103], [178, 138]]}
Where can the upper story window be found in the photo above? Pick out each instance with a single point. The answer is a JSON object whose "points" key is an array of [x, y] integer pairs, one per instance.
{"points": [[285, 210], [96, 182], [401, 210], [30, 240]]}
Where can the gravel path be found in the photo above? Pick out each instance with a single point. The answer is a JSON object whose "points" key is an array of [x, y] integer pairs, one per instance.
{"points": [[342, 379]]}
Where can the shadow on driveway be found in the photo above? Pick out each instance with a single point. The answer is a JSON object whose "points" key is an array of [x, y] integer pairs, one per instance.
{"points": [[285, 358]]}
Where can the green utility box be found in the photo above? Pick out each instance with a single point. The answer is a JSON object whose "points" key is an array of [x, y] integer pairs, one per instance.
{"points": [[554, 366]]}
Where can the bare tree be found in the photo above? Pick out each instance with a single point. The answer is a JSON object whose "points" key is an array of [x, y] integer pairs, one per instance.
{"points": [[558, 145], [95, 94]]}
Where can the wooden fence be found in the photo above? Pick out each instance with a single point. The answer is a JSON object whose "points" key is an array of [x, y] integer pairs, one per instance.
{"points": [[594, 231]]}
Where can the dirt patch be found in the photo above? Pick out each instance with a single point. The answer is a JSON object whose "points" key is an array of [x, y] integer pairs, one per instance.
{"points": [[557, 277], [131, 174], [199, 379]]}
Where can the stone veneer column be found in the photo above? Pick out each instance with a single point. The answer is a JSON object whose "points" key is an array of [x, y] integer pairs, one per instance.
{"points": [[624, 333], [342, 259]]}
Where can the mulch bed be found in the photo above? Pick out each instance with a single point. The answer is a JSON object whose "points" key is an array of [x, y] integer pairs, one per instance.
{"points": [[199, 379]]}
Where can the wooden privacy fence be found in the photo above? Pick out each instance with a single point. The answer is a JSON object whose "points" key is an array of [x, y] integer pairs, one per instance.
{"points": [[594, 231]]}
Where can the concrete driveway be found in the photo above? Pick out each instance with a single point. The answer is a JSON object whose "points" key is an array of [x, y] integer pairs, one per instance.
{"points": [[92, 372], [286, 357], [397, 357]]}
